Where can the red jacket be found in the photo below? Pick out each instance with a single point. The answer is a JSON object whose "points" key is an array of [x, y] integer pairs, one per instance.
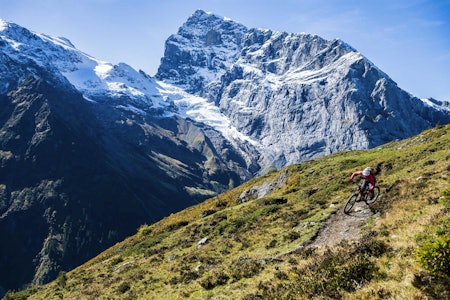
{"points": [[370, 178]]}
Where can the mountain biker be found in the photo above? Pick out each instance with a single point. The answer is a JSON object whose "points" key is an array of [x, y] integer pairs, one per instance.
{"points": [[369, 181]]}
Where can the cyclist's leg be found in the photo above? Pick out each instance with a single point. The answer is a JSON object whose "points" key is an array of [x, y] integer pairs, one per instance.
{"points": [[371, 191], [363, 188]]}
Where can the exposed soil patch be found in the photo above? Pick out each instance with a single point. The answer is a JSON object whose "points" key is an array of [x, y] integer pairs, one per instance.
{"points": [[341, 226]]}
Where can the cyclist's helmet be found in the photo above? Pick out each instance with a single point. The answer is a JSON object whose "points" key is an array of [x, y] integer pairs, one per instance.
{"points": [[366, 171]]}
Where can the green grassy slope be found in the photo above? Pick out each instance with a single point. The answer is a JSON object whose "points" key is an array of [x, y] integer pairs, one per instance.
{"points": [[262, 248]]}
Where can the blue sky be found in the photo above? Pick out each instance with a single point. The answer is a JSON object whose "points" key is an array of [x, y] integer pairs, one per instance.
{"points": [[407, 39]]}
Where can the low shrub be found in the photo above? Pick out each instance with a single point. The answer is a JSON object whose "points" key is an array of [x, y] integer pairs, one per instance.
{"points": [[434, 256], [281, 275], [214, 279], [272, 244], [61, 280], [185, 277], [371, 247], [329, 275], [177, 225], [207, 212], [292, 236], [245, 267], [437, 287], [221, 203], [123, 287], [145, 230], [272, 201], [20, 295], [268, 210]]}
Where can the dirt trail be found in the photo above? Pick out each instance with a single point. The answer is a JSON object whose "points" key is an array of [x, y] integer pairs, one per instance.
{"points": [[341, 226]]}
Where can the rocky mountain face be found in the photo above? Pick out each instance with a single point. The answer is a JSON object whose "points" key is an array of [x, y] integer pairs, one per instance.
{"points": [[86, 159], [297, 95], [73, 184], [89, 151]]}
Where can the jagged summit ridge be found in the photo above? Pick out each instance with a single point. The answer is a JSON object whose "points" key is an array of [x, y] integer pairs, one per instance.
{"points": [[202, 50]]}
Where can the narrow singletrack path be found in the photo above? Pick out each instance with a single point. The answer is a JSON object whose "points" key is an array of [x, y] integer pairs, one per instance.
{"points": [[341, 226]]}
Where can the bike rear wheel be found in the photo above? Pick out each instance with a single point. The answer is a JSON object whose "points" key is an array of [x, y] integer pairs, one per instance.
{"points": [[350, 202], [376, 195]]}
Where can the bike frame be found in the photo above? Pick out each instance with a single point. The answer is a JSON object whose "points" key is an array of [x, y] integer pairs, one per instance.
{"points": [[364, 192], [355, 197]]}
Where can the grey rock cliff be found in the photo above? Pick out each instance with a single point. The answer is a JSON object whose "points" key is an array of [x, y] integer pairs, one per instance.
{"points": [[298, 96]]}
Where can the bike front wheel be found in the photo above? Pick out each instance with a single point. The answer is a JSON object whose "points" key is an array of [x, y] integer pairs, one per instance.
{"points": [[375, 197], [350, 202]]}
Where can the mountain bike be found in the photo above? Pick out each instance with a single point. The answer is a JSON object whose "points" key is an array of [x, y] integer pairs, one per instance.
{"points": [[366, 197]]}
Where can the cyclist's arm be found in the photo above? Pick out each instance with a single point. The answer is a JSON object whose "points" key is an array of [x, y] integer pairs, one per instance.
{"points": [[355, 174]]}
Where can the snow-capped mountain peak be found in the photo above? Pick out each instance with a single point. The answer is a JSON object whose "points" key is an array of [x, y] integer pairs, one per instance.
{"points": [[95, 79], [3, 24], [297, 94], [209, 45], [243, 83]]}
